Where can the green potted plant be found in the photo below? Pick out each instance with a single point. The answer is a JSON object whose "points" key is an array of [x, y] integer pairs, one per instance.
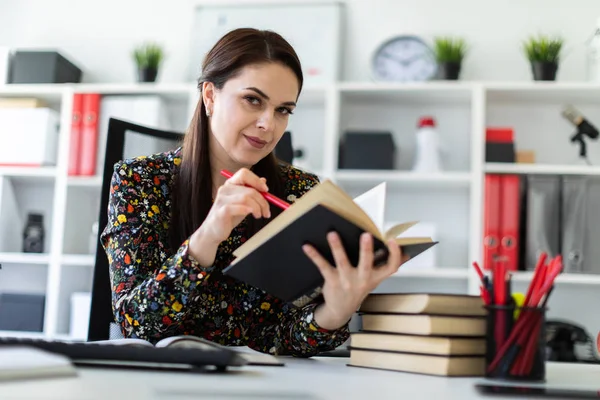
{"points": [[543, 53], [148, 58], [449, 53]]}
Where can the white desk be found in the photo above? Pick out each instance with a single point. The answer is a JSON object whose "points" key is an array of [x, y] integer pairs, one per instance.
{"points": [[317, 378]]}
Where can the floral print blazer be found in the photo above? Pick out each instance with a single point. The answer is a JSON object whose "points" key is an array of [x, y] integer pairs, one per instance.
{"points": [[156, 294]]}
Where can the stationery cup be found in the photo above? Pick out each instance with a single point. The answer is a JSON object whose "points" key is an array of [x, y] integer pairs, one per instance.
{"points": [[525, 357]]}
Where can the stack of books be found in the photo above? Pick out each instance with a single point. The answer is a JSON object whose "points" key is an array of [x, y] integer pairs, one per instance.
{"points": [[433, 334]]}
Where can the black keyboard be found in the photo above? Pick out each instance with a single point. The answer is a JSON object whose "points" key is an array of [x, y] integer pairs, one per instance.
{"points": [[103, 353]]}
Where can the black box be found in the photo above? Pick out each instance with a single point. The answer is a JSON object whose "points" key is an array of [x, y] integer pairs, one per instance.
{"points": [[367, 150], [22, 312], [42, 67], [500, 152]]}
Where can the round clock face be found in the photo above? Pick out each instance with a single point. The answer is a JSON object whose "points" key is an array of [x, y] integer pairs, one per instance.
{"points": [[404, 59]]}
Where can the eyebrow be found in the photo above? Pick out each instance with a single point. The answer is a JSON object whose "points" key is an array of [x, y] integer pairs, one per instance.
{"points": [[263, 94]]}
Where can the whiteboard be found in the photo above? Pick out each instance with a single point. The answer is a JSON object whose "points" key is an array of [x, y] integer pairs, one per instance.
{"points": [[314, 30]]}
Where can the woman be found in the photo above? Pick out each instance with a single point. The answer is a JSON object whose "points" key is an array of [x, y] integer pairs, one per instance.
{"points": [[174, 221]]}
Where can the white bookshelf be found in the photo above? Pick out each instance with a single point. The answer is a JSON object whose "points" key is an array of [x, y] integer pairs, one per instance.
{"points": [[451, 199]]}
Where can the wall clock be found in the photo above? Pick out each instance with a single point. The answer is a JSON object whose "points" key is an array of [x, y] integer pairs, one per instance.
{"points": [[404, 58]]}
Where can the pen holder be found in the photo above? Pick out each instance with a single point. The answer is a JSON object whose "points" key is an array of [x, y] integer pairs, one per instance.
{"points": [[516, 347]]}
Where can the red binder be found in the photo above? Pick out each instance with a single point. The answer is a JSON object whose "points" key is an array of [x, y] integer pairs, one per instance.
{"points": [[89, 137], [509, 221], [491, 228], [75, 139]]}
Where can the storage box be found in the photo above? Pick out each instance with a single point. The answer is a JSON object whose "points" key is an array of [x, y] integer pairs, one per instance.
{"points": [[22, 312], [499, 145], [367, 150], [42, 67], [29, 136]]}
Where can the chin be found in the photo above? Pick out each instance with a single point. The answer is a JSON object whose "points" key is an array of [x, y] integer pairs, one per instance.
{"points": [[243, 158]]}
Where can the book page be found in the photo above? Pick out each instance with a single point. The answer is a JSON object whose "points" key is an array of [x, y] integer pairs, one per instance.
{"points": [[373, 203]]}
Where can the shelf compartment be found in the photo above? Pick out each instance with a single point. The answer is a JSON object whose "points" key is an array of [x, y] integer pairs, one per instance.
{"points": [[17, 200]]}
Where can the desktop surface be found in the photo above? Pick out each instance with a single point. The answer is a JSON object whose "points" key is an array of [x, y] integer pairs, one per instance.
{"points": [[320, 378]]}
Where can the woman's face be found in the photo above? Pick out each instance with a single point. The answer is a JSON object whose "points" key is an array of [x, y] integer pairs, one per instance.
{"points": [[250, 113]]}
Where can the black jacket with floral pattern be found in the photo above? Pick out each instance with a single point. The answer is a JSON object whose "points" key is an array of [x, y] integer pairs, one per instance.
{"points": [[156, 294]]}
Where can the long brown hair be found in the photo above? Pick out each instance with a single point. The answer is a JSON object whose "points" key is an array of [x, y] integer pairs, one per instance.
{"points": [[192, 191]]}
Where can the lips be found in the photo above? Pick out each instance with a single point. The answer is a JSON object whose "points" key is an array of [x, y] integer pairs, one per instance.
{"points": [[256, 142]]}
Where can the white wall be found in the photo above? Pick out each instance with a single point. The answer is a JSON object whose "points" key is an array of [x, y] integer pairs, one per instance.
{"points": [[99, 35]]}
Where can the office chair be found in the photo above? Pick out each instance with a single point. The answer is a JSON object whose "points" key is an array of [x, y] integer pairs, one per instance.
{"points": [[121, 135], [284, 151]]}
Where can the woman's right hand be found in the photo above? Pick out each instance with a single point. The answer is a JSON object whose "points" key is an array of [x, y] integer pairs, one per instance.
{"points": [[236, 199]]}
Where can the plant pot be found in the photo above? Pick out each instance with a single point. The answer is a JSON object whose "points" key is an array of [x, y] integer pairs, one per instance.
{"points": [[544, 71], [449, 70], [147, 74]]}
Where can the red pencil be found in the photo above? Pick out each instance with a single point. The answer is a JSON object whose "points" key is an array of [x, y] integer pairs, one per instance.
{"points": [[270, 198]]}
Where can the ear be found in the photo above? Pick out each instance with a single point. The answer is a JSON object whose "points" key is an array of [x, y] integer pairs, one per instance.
{"points": [[208, 96]]}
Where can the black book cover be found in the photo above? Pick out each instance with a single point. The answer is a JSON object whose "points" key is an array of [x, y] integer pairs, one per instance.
{"points": [[280, 267]]}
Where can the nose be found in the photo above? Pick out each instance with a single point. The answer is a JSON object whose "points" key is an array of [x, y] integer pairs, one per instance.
{"points": [[266, 121]]}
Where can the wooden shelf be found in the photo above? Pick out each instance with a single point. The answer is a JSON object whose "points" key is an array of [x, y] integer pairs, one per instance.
{"points": [[451, 273], [565, 277], [78, 260], [459, 179], [24, 258], [410, 92], [28, 172], [541, 169], [85, 181], [451, 200]]}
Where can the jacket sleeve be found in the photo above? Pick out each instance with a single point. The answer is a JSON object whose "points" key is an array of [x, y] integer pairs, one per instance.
{"points": [[283, 329], [151, 294], [293, 331]]}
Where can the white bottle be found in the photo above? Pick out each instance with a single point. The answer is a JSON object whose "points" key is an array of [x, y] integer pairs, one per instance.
{"points": [[593, 56], [428, 149]]}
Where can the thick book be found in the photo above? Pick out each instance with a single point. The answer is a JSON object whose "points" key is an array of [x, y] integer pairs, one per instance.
{"points": [[424, 303], [273, 259], [438, 345], [421, 324], [466, 366]]}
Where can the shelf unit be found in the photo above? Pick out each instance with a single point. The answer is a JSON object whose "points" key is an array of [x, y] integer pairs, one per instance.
{"points": [[452, 200]]}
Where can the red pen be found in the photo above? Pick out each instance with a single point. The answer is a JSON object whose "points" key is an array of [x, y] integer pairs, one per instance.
{"points": [[270, 198]]}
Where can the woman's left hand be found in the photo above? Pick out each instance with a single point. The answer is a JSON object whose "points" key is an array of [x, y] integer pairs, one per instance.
{"points": [[346, 286]]}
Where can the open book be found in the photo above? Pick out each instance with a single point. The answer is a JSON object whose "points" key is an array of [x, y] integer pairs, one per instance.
{"points": [[251, 356], [273, 260]]}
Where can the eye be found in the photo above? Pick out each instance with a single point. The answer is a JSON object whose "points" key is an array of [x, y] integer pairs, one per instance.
{"points": [[252, 100], [285, 110]]}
